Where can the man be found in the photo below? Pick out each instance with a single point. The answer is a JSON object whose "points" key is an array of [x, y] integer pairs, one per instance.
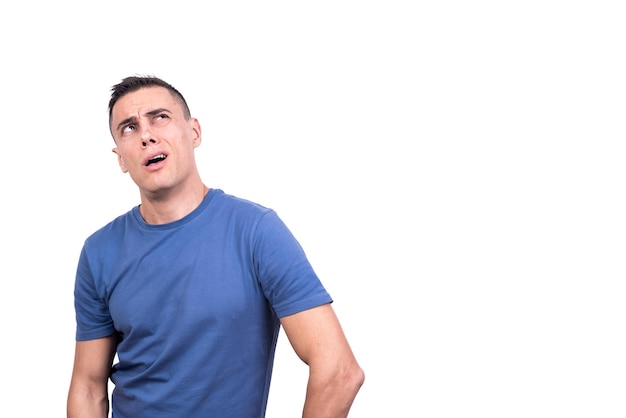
{"points": [[191, 287]]}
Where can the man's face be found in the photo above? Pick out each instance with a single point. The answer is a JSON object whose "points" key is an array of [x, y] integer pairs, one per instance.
{"points": [[154, 142]]}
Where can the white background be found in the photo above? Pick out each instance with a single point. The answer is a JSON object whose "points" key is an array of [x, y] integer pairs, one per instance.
{"points": [[454, 170]]}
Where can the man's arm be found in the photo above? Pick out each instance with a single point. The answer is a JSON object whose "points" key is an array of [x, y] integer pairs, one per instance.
{"points": [[335, 377], [88, 394]]}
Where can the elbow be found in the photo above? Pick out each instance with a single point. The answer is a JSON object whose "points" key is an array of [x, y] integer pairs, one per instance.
{"points": [[351, 378], [356, 377]]}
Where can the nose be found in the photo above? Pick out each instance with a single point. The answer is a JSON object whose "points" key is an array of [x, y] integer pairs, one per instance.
{"points": [[147, 137]]}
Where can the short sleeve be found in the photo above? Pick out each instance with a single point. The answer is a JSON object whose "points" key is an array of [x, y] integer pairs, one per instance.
{"points": [[286, 275]]}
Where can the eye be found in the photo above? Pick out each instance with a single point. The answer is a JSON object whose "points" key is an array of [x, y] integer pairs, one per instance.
{"points": [[161, 119], [128, 128]]}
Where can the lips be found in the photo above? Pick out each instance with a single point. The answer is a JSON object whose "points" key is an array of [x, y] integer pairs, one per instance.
{"points": [[153, 159]]}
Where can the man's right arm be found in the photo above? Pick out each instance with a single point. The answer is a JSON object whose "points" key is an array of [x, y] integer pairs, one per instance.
{"points": [[88, 393]]}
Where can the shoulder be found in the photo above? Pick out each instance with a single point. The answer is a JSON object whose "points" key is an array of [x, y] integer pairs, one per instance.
{"points": [[228, 199], [113, 228], [231, 204]]}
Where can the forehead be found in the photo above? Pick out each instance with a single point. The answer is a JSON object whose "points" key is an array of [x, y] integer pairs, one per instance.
{"points": [[144, 100]]}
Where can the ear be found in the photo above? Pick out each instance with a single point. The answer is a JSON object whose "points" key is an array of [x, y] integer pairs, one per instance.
{"points": [[120, 160], [197, 132]]}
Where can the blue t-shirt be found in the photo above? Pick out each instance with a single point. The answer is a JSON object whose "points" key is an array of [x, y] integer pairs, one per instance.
{"points": [[196, 304]]}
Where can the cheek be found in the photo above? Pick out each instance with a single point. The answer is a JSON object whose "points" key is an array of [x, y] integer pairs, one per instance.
{"points": [[122, 162]]}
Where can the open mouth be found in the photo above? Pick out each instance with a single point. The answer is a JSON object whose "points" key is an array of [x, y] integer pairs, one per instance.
{"points": [[156, 159]]}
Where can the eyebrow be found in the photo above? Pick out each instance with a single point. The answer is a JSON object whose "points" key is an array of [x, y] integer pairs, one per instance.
{"points": [[133, 119]]}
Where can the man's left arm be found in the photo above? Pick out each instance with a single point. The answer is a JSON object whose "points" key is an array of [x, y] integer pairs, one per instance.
{"points": [[335, 376]]}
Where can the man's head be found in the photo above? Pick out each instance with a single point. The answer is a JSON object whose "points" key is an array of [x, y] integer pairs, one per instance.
{"points": [[134, 83], [155, 137]]}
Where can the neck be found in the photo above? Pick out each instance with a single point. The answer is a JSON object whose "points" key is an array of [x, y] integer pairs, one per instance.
{"points": [[168, 206]]}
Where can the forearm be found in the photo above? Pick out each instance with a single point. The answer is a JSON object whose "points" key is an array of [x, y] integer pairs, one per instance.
{"points": [[332, 397], [86, 405]]}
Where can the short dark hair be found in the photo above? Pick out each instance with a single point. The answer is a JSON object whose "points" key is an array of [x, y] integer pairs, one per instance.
{"points": [[134, 83]]}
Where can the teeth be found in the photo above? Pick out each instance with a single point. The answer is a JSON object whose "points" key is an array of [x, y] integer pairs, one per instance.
{"points": [[156, 158]]}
